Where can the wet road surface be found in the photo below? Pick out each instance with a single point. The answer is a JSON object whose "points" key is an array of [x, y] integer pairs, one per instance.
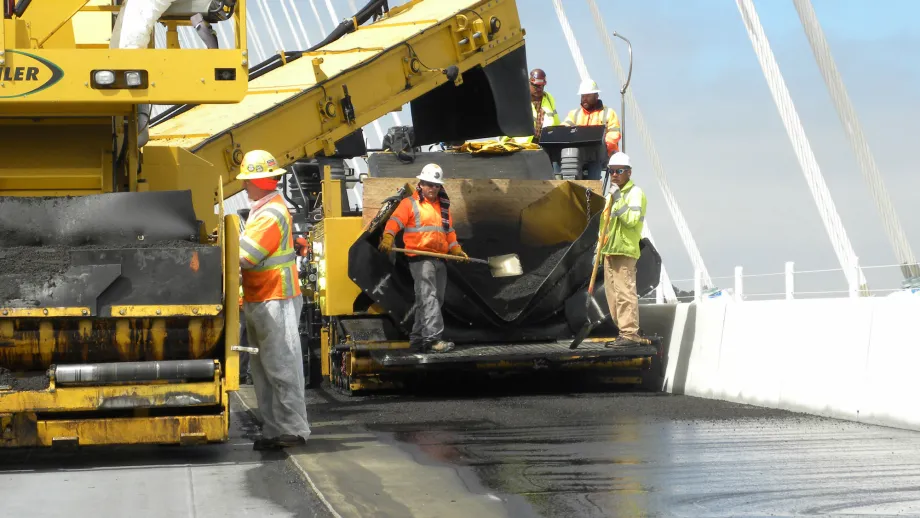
{"points": [[222, 480], [591, 453]]}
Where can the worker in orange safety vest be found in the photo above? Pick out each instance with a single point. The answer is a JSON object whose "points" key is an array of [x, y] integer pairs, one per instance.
{"points": [[272, 302], [427, 225], [592, 112]]}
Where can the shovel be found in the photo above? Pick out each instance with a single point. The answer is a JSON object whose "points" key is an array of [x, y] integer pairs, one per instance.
{"points": [[594, 314], [501, 265]]}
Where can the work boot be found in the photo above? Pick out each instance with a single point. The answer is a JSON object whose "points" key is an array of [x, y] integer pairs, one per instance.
{"points": [[266, 444], [278, 443], [441, 346], [622, 341], [290, 441]]}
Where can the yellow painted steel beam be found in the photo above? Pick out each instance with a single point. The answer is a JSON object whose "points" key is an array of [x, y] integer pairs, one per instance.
{"points": [[24, 430], [180, 310], [231, 243], [46, 19], [336, 291], [295, 112], [43, 312], [112, 397], [48, 82]]}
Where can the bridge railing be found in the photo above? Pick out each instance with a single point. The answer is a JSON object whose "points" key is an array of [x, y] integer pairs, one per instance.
{"points": [[791, 284]]}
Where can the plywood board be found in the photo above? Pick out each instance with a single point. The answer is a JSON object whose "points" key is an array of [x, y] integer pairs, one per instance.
{"points": [[483, 200]]}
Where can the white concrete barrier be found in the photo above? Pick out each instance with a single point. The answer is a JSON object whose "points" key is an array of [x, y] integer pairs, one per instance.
{"points": [[853, 359]]}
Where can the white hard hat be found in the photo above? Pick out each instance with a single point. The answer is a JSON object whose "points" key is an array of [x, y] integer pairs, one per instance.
{"points": [[588, 87], [432, 173], [619, 159]]}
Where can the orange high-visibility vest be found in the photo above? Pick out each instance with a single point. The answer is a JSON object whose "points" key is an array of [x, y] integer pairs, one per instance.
{"points": [[599, 117], [267, 254], [421, 222]]}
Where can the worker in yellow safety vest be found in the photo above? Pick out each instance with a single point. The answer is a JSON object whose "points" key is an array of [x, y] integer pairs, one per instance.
{"points": [[592, 112], [427, 225], [620, 249], [272, 302], [543, 106]]}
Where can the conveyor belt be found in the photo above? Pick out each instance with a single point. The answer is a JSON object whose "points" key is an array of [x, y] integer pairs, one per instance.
{"points": [[363, 75]]}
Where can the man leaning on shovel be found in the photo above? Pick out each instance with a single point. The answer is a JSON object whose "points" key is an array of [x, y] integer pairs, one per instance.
{"points": [[620, 248], [428, 226]]}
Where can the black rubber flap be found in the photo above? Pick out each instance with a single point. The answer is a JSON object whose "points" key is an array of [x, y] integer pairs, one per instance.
{"points": [[114, 219], [494, 100]]}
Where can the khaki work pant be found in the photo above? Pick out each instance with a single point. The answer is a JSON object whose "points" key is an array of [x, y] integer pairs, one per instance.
{"points": [[622, 299]]}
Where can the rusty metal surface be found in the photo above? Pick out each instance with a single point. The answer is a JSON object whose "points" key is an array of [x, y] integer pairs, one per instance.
{"points": [[551, 351], [35, 344]]}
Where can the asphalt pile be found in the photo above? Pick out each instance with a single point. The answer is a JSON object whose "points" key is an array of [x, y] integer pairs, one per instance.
{"points": [[27, 382], [508, 296]]}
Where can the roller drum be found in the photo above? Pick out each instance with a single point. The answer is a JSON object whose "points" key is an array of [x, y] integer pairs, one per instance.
{"points": [[128, 372]]}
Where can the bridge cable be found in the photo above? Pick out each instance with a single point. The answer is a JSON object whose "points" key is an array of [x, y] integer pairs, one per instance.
{"points": [[670, 200], [354, 9], [665, 281], [857, 139], [826, 208]]}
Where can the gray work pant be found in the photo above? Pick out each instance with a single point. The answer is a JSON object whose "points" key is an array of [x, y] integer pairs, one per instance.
{"points": [[277, 371], [430, 277], [245, 373]]}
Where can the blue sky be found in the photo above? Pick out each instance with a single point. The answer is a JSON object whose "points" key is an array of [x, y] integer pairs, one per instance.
{"points": [[717, 130]]}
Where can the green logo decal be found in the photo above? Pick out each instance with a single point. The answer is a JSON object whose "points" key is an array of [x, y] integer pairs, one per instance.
{"points": [[25, 74]]}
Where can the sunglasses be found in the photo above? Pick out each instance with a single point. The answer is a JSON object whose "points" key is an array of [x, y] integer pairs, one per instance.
{"points": [[428, 184], [619, 170]]}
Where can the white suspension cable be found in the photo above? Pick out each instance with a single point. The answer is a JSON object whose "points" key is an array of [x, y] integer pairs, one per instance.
{"points": [[269, 20], [335, 18], [319, 20], [287, 16], [664, 282], [354, 10], [570, 39], [159, 36], [683, 229], [303, 29], [222, 31], [826, 208], [251, 31], [183, 39], [858, 142]]}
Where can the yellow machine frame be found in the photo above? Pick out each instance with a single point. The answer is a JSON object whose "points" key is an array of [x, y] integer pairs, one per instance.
{"points": [[384, 65], [27, 418], [46, 100]]}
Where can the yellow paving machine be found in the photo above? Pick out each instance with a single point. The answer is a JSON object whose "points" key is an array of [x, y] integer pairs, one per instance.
{"points": [[119, 276]]}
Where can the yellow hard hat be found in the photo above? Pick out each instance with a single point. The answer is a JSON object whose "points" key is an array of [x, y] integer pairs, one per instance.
{"points": [[259, 164]]}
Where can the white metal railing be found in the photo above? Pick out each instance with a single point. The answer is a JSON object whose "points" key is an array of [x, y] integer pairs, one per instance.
{"points": [[791, 284]]}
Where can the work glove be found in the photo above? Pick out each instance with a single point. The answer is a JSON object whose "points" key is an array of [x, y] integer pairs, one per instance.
{"points": [[301, 247], [386, 243], [458, 252]]}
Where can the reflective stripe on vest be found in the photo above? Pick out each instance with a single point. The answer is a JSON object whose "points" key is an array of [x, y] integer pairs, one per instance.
{"points": [[274, 274], [422, 229]]}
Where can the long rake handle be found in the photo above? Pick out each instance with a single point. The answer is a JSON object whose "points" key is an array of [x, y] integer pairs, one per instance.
{"points": [[440, 256], [605, 219]]}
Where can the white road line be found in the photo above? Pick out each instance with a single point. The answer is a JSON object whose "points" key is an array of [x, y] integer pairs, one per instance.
{"points": [[299, 468]]}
